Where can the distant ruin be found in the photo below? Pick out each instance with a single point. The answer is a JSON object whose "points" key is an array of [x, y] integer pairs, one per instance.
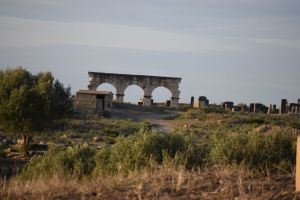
{"points": [[285, 106], [147, 83]]}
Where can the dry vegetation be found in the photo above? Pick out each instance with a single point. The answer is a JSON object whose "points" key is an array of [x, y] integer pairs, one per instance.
{"points": [[209, 155], [165, 182]]}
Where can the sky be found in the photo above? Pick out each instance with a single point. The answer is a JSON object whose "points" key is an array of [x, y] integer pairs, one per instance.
{"points": [[228, 50]]}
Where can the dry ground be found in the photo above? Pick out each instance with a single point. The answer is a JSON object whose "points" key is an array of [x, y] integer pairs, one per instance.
{"points": [[156, 117], [161, 183]]}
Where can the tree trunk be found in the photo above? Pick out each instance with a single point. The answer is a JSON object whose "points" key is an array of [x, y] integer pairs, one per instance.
{"points": [[26, 140]]}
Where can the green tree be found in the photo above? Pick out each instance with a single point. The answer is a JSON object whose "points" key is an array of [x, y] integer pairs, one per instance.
{"points": [[27, 101]]}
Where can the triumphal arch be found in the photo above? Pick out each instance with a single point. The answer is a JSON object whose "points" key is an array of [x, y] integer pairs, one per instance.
{"points": [[147, 83]]}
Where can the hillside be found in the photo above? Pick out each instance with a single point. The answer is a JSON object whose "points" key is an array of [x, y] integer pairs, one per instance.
{"points": [[141, 153]]}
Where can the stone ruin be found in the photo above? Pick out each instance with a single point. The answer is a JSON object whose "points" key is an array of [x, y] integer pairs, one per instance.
{"points": [[228, 105], [289, 108], [202, 102], [146, 83], [285, 107], [92, 102]]}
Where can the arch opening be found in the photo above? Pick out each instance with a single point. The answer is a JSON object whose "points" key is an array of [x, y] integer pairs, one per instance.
{"points": [[108, 87], [133, 94], [161, 97]]}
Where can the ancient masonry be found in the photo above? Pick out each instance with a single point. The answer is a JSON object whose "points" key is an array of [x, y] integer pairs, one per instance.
{"points": [[93, 102], [147, 83], [285, 106]]}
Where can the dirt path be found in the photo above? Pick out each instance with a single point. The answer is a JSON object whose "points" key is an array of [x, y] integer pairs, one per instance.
{"points": [[162, 125], [157, 117]]}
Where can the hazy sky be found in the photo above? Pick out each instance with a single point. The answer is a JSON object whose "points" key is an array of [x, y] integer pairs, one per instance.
{"points": [[239, 50]]}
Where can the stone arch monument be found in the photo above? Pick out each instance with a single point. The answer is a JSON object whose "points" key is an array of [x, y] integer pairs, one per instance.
{"points": [[147, 83]]}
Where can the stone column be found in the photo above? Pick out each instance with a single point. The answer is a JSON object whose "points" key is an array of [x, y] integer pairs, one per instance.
{"points": [[255, 108], [120, 88], [120, 98], [192, 101], [251, 109], [270, 109], [175, 102], [283, 107], [147, 101]]}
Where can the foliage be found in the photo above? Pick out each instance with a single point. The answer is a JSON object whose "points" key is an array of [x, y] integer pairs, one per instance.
{"points": [[255, 150], [145, 150], [136, 152], [269, 151], [67, 162], [27, 101]]}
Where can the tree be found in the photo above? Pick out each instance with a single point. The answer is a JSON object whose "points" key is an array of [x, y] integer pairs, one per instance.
{"points": [[27, 101]]}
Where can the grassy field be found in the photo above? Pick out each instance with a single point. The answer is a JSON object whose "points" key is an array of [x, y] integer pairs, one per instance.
{"points": [[202, 154]]}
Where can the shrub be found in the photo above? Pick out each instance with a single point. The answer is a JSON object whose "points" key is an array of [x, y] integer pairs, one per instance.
{"points": [[145, 150], [271, 150], [67, 162], [255, 150]]}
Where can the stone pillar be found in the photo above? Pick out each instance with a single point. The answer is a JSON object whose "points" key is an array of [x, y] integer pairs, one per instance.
{"points": [[175, 102], [251, 107], [207, 102], [283, 107], [270, 111], [293, 109], [255, 108], [147, 101], [120, 98], [192, 101]]}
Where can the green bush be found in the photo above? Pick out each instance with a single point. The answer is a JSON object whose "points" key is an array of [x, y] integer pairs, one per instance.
{"points": [[255, 150], [272, 150], [136, 152], [145, 150], [67, 162]]}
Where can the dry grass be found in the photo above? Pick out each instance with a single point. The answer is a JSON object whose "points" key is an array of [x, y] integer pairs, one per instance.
{"points": [[162, 183]]}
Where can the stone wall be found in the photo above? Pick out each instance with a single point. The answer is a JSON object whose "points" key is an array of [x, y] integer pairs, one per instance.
{"points": [[86, 103]]}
